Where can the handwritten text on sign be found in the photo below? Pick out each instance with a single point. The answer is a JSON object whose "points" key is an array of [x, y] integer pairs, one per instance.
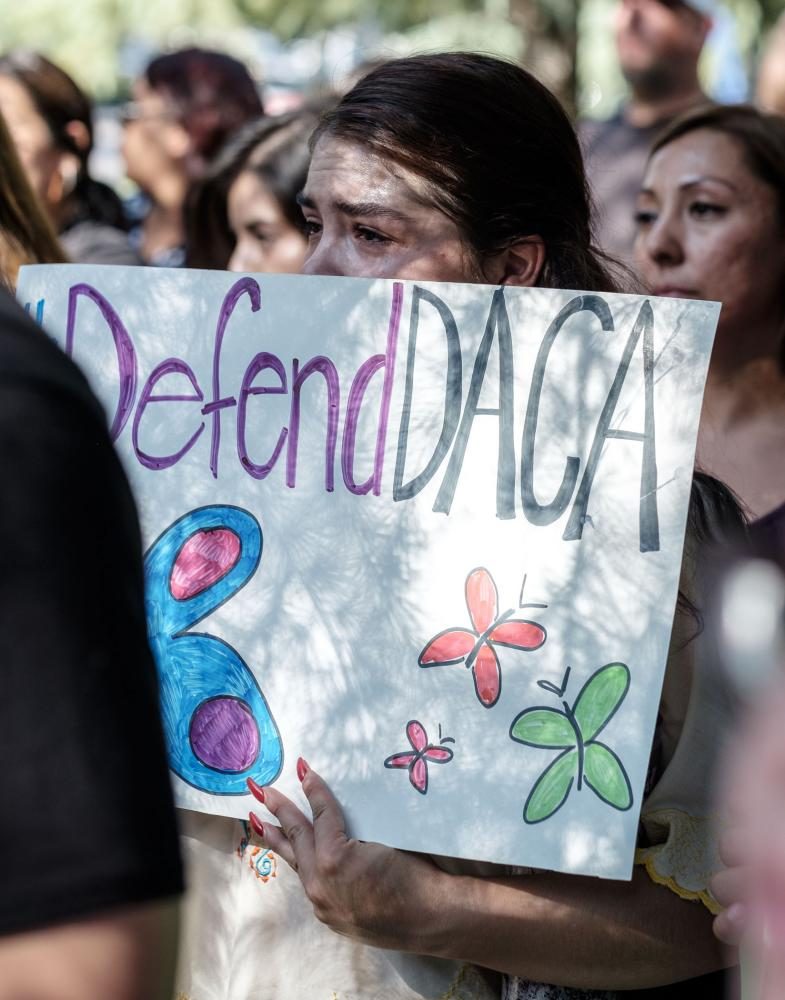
{"points": [[364, 493]]}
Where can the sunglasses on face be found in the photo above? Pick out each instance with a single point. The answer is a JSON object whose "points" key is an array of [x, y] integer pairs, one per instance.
{"points": [[134, 111]]}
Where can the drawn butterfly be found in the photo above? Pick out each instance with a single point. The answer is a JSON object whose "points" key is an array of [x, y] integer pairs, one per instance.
{"points": [[475, 646], [421, 754], [574, 731]]}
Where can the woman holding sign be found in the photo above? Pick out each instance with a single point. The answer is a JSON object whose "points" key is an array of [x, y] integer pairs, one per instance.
{"points": [[450, 168]]}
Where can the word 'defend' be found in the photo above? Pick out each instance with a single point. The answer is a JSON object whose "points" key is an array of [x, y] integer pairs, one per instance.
{"points": [[212, 415]]}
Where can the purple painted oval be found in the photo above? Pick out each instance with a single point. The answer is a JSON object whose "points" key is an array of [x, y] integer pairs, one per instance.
{"points": [[205, 558], [224, 734]]}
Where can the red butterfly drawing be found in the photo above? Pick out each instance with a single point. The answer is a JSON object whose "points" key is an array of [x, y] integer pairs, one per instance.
{"points": [[475, 646], [421, 754]]}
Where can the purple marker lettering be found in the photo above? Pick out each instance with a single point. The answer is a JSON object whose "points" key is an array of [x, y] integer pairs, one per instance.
{"points": [[356, 395], [168, 367], [124, 349], [259, 364], [243, 286], [328, 370], [365, 373]]}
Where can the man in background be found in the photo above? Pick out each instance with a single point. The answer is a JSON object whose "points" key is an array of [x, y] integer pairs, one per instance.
{"points": [[89, 864], [658, 43], [770, 86]]}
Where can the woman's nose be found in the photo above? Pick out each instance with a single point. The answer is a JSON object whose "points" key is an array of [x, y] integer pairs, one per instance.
{"points": [[237, 262], [662, 241], [323, 258]]}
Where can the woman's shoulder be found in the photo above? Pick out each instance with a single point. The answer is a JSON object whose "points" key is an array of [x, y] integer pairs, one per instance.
{"points": [[767, 534], [698, 709], [91, 242]]}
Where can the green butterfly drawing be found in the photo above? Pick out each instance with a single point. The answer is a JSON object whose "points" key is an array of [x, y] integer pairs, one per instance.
{"points": [[574, 731]]}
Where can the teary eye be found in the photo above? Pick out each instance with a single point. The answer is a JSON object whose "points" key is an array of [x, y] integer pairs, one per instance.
{"points": [[371, 235]]}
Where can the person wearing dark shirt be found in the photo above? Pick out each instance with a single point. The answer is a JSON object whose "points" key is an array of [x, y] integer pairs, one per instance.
{"points": [[658, 43], [89, 863]]}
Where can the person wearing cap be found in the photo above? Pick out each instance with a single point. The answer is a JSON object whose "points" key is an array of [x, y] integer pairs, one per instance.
{"points": [[658, 43]]}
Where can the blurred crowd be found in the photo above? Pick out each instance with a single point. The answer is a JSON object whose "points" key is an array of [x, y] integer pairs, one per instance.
{"points": [[689, 201]]}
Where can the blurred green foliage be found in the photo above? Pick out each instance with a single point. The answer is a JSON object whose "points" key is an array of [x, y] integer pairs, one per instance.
{"points": [[290, 18], [85, 36], [88, 36]]}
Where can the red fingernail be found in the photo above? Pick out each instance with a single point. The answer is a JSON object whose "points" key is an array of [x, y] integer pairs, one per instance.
{"points": [[256, 790], [302, 768], [256, 823]]}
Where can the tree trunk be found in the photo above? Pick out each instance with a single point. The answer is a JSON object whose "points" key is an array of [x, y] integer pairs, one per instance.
{"points": [[550, 36]]}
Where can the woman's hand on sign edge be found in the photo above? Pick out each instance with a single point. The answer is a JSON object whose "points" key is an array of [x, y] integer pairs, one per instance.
{"points": [[622, 936], [376, 894]]}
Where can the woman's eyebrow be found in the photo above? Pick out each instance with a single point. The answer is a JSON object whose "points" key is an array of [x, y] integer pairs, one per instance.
{"points": [[689, 182], [357, 208]]}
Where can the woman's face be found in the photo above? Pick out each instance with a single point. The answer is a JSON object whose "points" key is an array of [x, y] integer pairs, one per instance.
{"points": [[266, 240], [368, 217], [708, 228], [154, 144], [39, 156]]}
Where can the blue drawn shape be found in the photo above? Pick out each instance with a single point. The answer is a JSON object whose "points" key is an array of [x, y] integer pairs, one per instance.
{"points": [[39, 310], [219, 729]]}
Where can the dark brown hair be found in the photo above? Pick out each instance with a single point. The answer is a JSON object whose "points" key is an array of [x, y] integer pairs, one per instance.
{"points": [[59, 100], [497, 150], [761, 137], [276, 150], [26, 234], [214, 94]]}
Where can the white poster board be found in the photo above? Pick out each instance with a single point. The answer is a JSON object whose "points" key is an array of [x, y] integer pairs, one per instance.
{"points": [[426, 536]]}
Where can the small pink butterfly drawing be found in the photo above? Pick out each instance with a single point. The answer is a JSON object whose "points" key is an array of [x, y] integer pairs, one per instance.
{"points": [[421, 754], [475, 646]]}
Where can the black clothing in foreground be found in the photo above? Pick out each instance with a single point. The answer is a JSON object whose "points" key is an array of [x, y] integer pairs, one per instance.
{"points": [[86, 815]]}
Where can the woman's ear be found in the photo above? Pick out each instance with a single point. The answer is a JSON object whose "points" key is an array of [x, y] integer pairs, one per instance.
{"points": [[78, 132], [520, 264], [61, 181], [176, 141]]}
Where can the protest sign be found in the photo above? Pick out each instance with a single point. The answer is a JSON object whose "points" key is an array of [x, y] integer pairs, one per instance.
{"points": [[427, 536]]}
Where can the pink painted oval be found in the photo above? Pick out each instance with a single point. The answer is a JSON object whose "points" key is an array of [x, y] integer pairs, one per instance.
{"points": [[205, 559]]}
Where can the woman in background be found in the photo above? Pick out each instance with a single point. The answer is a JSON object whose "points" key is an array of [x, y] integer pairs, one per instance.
{"points": [[50, 120], [711, 225], [26, 234], [244, 216], [184, 107]]}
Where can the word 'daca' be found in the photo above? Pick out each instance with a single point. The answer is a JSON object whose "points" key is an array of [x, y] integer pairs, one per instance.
{"points": [[215, 405]]}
